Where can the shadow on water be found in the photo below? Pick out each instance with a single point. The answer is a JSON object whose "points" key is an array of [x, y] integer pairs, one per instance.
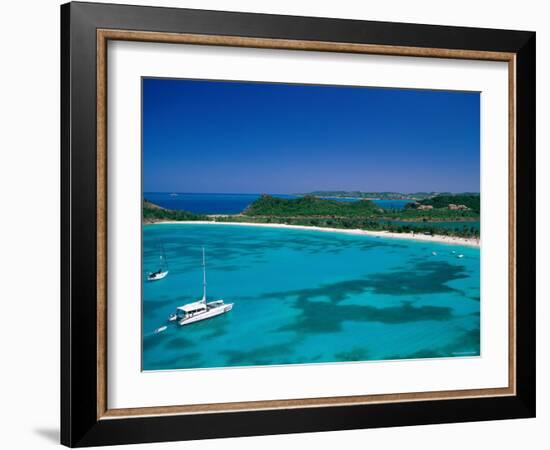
{"points": [[355, 354], [151, 342], [279, 354], [242, 246], [261, 355], [151, 307], [318, 317], [179, 342], [183, 361], [423, 278], [466, 344]]}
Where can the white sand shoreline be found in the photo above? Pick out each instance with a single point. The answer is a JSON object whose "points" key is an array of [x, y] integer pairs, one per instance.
{"points": [[451, 240]]}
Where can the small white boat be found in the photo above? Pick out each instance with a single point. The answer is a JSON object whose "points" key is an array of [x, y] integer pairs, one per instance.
{"points": [[201, 309], [158, 275], [162, 271], [434, 253], [161, 329], [460, 256]]}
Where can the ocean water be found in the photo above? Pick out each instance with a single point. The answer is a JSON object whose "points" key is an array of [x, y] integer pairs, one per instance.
{"points": [[386, 204], [306, 296], [200, 203], [392, 204]]}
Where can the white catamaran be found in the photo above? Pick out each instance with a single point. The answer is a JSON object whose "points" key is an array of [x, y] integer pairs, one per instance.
{"points": [[201, 309], [163, 269]]}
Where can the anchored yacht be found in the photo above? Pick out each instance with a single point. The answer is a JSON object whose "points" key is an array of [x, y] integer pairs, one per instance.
{"points": [[201, 309], [163, 268]]}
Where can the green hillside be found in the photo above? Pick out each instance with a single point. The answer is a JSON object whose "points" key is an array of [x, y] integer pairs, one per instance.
{"points": [[155, 213], [471, 201], [309, 205]]}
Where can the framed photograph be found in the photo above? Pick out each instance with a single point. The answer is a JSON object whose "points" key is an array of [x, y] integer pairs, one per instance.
{"points": [[276, 224]]}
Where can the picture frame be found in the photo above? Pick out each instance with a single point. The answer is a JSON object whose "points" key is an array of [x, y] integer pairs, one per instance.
{"points": [[86, 419]]}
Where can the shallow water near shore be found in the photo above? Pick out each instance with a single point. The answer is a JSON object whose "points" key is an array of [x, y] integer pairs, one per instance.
{"points": [[307, 296]]}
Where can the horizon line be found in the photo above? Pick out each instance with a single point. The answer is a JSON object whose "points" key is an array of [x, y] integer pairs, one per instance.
{"points": [[311, 192]]}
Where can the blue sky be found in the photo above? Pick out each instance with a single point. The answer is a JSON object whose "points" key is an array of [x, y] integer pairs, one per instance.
{"points": [[244, 137]]}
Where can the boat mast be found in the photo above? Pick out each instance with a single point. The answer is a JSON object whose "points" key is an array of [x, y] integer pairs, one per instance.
{"points": [[162, 257], [203, 277]]}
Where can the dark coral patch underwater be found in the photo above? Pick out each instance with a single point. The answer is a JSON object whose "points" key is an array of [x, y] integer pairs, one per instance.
{"points": [[422, 278]]}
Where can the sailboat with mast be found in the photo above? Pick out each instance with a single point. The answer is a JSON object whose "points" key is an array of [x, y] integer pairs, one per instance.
{"points": [[201, 309], [163, 268]]}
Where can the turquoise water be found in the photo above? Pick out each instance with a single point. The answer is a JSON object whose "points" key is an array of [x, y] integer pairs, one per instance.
{"points": [[305, 296]]}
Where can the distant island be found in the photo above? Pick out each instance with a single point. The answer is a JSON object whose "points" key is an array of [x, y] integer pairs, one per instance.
{"points": [[414, 196], [423, 215]]}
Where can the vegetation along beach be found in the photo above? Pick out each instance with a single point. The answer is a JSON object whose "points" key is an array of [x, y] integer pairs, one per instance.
{"points": [[443, 218]]}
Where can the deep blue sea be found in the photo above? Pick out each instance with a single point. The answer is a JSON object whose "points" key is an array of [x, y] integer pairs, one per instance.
{"points": [[306, 296], [205, 203]]}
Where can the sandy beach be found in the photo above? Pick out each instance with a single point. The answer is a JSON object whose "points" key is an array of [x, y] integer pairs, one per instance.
{"points": [[451, 240]]}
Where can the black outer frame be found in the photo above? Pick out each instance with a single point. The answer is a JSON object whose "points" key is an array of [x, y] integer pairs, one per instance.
{"points": [[79, 423]]}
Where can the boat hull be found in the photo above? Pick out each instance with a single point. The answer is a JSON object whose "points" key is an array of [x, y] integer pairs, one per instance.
{"points": [[213, 312], [157, 277]]}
